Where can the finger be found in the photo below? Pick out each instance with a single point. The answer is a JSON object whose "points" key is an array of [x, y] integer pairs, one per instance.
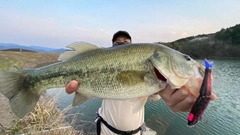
{"points": [[167, 92], [213, 96], [184, 105], [71, 87], [178, 96]]}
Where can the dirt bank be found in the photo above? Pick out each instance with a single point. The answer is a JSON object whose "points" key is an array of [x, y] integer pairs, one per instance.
{"points": [[19, 60]]}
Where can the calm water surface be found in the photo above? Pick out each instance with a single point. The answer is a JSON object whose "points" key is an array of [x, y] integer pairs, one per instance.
{"points": [[222, 117]]}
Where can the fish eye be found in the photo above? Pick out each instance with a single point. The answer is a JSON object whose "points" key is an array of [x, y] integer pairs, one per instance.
{"points": [[187, 57]]}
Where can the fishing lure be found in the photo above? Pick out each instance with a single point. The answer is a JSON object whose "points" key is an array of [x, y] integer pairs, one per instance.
{"points": [[203, 99]]}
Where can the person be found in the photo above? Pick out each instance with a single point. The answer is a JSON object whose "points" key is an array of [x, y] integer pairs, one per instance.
{"points": [[118, 114]]}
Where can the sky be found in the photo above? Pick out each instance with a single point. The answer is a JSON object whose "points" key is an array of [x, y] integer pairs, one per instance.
{"points": [[57, 23]]}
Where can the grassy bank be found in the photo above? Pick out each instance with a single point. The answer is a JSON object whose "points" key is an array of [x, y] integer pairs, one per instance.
{"points": [[20, 60], [46, 118]]}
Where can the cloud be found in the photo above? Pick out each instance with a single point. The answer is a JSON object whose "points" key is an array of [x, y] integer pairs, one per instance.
{"points": [[60, 31], [53, 32], [184, 34], [47, 32], [173, 33]]}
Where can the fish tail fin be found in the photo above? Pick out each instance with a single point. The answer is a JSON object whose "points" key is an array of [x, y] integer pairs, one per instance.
{"points": [[21, 100]]}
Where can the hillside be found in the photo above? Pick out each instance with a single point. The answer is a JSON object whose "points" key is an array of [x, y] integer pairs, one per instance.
{"points": [[9, 46], [13, 60], [19, 60], [18, 50], [222, 44]]}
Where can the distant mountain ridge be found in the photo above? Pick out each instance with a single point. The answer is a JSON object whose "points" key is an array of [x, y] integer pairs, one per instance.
{"points": [[6, 46]]}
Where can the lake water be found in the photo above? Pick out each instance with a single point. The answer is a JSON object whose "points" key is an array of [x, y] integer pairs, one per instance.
{"points": [[222, 116]]}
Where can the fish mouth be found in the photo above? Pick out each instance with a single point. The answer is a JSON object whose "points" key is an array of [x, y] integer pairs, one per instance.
{"points": [[159, 75]]}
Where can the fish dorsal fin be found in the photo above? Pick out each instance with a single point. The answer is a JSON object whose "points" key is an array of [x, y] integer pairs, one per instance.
{"points": [[77, 48]]}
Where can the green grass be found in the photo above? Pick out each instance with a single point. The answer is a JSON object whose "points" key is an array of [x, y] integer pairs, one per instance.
{"points": [[11, 64], [4, 65]]}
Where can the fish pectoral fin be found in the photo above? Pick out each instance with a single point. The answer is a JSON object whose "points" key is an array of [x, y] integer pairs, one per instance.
{"points": [[78, 48], [139, 103], [154, 97], [131, 77], [78, 99]]}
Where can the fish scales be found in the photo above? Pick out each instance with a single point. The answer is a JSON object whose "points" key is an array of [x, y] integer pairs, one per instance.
{"points": [[85, 66], [123, 72]]}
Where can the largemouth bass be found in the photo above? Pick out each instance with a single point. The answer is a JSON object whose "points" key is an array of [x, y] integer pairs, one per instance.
{"points": [[124, 72]]}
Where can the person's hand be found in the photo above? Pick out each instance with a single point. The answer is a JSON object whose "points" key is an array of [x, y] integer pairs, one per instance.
{"points": [[71, 87], [180, 99]]}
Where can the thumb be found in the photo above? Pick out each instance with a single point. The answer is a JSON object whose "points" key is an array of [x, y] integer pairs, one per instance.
{"points": [[71, 87]]}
